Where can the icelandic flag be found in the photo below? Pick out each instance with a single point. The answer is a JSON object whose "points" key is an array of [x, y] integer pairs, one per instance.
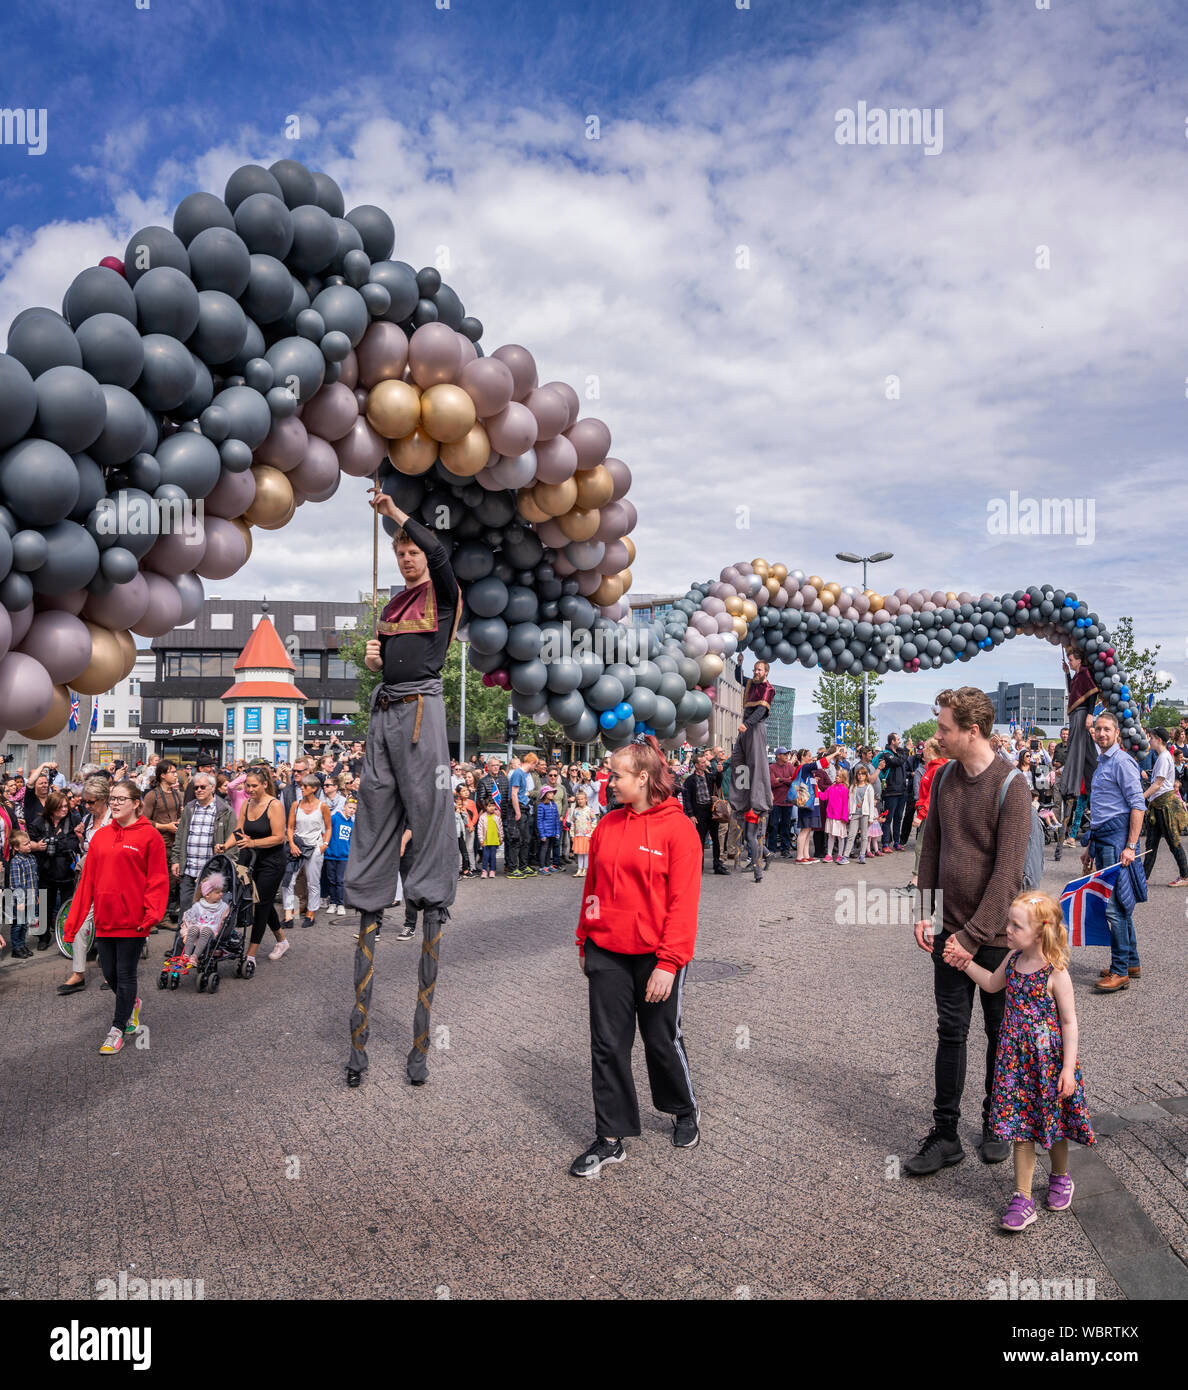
{"points": [[73, 711], [1083, 903], [1097, 709], [1150, 702], [94, 717]]}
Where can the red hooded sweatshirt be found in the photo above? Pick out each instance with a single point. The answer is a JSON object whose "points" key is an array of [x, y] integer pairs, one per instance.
{"points": [[643, 885], [125, 877]]}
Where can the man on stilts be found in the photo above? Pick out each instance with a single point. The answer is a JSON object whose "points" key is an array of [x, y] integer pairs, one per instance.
{"points": [[404, 784]]}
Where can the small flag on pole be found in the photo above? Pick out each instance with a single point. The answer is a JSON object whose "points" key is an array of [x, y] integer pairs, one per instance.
{"points": [[73, 711], [94, 717], [1150, 702], [1083, 904], [1097, 708]]}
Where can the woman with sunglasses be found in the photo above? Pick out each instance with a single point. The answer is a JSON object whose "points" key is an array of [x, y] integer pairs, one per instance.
{"points": [[125, 883]]}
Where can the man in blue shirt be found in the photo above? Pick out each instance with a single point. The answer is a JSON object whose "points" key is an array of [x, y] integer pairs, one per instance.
{"points": [[1116, 811]]}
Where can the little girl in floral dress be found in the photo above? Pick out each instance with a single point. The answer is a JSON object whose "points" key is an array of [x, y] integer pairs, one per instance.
{"points": [[583, 827], [1038, 1093]]}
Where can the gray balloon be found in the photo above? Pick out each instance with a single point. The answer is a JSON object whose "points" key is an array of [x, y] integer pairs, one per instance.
{"points": [[72, 561], [297, 184], [529, 703], [297, 361], [118, 565], [449, 307], [269, 288], [344, 311], [220, 261], [38, 481], [624, 674], [222, 328], [198, 211], [377, 299], [315, 240], [643, 703], [144, 472], [311, 325], [258, 375], [567, 707], [123, 429], [167, 302], [198, 397], [168, 375], [111, 348], [18, 400], [98, 290], [189, 461], [564, 675], [647, 675], [400, 280], [16, 592], [355, 267], [473, 560], [327, 194], [523, 640], [265, 224], [488, 635], [189, 586], [235, 456], [528, 677], [150, 247], [5, 567], [246, 180], [248, 412], [253, 347], [605, 693], [41, 339], [486, 661], [30, 550], [375, 227]]}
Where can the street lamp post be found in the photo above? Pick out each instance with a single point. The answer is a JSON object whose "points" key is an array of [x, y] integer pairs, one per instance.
{"points": [[877, 558], [462, 710]]}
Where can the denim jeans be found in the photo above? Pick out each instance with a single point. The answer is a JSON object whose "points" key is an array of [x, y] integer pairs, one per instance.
{"points": [[779, 829], [954, 992], [1105, 847]]}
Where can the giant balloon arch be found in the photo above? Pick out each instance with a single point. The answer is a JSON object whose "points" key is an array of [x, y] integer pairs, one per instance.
{"points": [[267, 345]]}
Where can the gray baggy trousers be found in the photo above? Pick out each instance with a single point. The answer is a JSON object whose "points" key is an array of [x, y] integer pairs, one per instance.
{"points": [[404, 786]]}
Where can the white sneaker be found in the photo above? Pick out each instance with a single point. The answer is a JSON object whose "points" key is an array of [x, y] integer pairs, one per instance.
{"points": [[279, 949], [341, 910]]}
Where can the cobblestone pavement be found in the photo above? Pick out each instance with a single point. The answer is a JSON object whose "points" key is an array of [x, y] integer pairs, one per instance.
{"points": [[229, 1149]]}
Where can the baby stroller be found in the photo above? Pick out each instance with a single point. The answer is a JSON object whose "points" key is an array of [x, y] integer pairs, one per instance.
{"points": [[1053, 831], [231, 940]]}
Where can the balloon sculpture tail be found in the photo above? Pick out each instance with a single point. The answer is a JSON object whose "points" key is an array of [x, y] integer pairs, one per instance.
{"points": [[364, 979], [418, 1059]]}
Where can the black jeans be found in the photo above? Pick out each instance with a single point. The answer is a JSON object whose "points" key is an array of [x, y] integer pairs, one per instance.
{"points": [[267, 871], [893, 803], [511, 844], [706, 825], [954, 992], [119, 957]]}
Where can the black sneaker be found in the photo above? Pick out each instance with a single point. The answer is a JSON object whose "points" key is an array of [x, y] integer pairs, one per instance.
{"points": [[685, 1134], [406, 933], [993, 1149], [600, 1151], [721, 869], [936, 1153]]}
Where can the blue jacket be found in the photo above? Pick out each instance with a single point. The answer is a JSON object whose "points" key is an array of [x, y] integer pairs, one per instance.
{"points": [[548, 822], [340, 836]]}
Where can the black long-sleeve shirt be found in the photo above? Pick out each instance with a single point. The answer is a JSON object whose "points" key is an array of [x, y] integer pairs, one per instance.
{"points": [[415, 656]]}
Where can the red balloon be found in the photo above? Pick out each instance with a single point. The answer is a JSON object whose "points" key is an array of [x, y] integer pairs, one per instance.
{"points": [[501, 678], [487, 681], [113, 263]]}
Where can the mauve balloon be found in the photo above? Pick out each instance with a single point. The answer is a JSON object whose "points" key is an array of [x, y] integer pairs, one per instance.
{"points": [[286, 444], [489, 384], [592, 440], [361, 451], [556, 459], [434, 355], [612, 522], [121, 606], [163, 612], [523, 367], [61, 603], [61, 643], [348, 372], [487, 480], [563, 566], [551, 410], [318, 471], [551, 533], [622, 476], [177, 552], [332, 412], [325, 493], [382, 355], [20, 624], [513, 430], [189, 586], [5, 630], [572, 404], [587, 582], [632, 515], [26, 690], [226, 550], [232, 495]]}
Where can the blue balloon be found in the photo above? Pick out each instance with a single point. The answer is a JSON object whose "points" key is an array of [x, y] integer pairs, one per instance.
{"points": [[1125, 692], [623, 710], [608, 718]]}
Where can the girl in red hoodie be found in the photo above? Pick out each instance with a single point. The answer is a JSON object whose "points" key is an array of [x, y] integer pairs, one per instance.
{"points": [[635, 936], [126, 880]]}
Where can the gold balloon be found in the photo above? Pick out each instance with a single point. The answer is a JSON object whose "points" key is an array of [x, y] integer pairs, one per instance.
{"points": [[273, 504], [556, 498], [771, 584], [760, 567], [876, 600], [415, 453], [630, 544], [749, 609], [817, 582], [393, 408], [526, 505], [625, 580], [447, 413], [608, 592], [950, 595], [283, 520], [740, 627], [54, 722], [580, 525], [779, 572], [244, 527], [128, 644], [469, 455], [106, 665], [734, 605], [711, 667], [596, 486]]}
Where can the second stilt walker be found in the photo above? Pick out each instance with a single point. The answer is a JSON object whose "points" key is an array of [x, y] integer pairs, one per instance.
{"points": [[404, 784]]}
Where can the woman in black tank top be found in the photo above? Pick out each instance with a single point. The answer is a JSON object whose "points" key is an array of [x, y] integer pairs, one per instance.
{"points": [[261, 829]]}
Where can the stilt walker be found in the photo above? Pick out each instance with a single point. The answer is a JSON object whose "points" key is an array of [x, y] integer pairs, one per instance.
{"points": [[404, 784]]}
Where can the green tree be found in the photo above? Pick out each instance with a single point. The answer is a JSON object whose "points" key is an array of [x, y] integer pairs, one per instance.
{"points": [[1163, 716], [925, 729], [837, 694], [486, 705], [1140, 665], [352, 646]]}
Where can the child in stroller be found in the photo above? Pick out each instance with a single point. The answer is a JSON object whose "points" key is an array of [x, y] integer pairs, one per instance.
{"points": [[1049, 820], [212, 928]]}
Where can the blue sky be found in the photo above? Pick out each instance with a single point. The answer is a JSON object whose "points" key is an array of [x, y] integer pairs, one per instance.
{"points": [[762, 386]]}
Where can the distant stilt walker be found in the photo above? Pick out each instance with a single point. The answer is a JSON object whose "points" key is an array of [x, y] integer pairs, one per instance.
{"points": [[404, 784]]}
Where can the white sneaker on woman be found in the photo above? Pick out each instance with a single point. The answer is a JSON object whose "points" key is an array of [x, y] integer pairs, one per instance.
{"points": [[279, 949]]}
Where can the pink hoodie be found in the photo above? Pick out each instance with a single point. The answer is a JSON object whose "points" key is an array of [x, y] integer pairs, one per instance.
{"points": [[837, 802]]}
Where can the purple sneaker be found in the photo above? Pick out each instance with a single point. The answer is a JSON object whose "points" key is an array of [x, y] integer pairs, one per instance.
{"points": [[1020, 1213], [1060, 1192]]}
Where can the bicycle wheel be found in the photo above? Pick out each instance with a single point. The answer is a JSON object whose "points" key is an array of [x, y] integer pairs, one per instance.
{"points": [[86, 931]]}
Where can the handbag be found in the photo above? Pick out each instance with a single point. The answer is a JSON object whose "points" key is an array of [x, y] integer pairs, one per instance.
{"points": [[720, 809]]}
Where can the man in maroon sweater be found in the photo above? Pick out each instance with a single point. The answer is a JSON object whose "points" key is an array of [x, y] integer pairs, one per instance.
{"points": [[973, 853], [779, 826]]}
